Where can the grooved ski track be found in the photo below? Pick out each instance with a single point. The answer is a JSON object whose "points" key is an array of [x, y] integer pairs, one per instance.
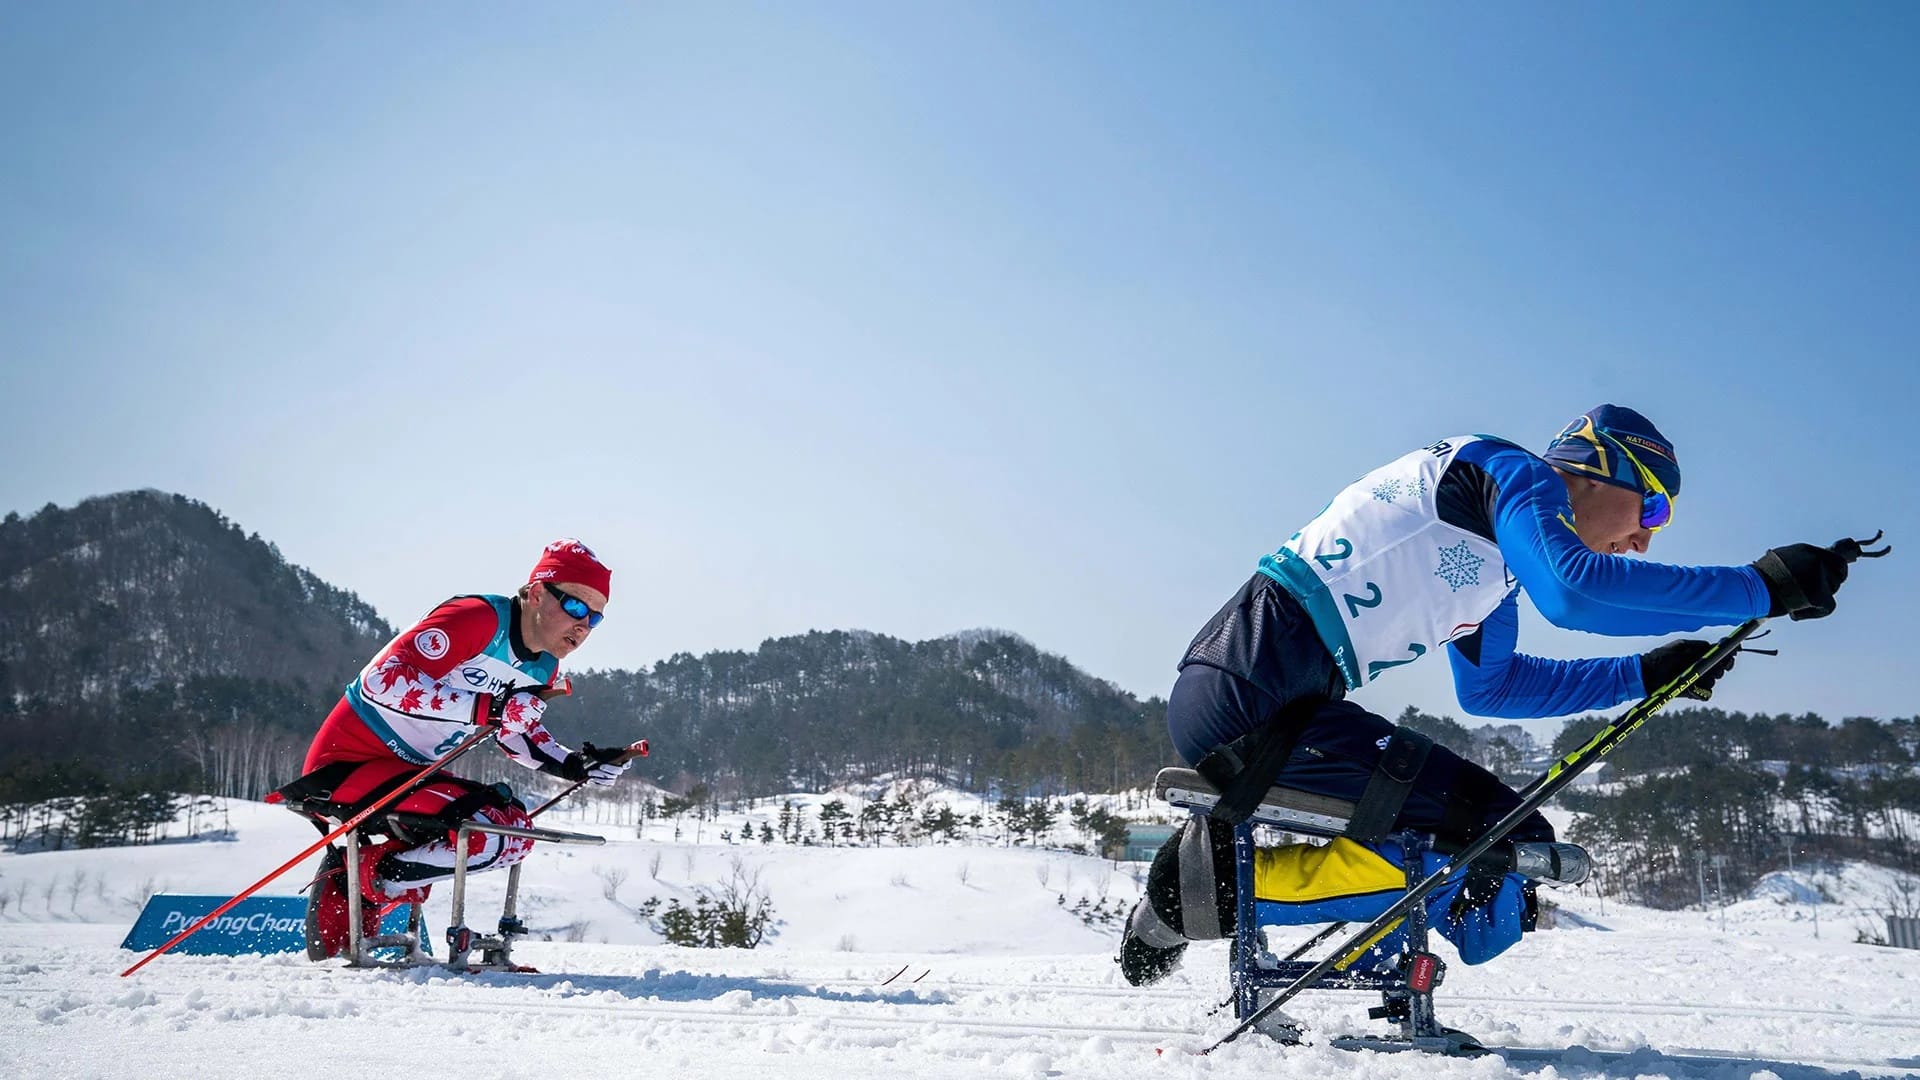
{"points": [[915, 962], [645, 1011]]}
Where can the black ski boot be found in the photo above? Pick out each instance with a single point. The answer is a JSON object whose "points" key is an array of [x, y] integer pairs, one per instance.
{"points": [[1190, 896]]}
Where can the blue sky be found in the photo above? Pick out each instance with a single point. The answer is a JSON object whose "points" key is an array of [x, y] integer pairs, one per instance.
{"points": [[913, 318]]}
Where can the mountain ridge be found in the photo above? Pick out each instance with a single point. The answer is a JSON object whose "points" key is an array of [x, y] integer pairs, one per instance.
{"points": [[148, 621]]}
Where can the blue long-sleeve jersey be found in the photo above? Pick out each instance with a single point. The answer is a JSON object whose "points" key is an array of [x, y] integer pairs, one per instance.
{"points": [[1435, 548]]}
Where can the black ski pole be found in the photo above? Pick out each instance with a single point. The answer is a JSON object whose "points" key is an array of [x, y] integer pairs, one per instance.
{"points": [[1326, 932]]}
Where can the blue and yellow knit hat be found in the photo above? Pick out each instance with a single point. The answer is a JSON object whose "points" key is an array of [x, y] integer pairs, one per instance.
{"points": [[1608, 442]]}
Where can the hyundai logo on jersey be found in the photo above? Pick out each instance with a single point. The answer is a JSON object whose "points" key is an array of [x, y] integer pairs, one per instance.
{"points": [[258, 924]]}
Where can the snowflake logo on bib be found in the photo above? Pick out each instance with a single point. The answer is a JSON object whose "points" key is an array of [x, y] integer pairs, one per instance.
{"points": [[1388, 490], [1459, 566]]}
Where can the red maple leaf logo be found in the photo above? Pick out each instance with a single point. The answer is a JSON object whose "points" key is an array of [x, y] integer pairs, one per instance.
{"points": [[410, 701], [387, 675], [438, 703], [522, 713]]}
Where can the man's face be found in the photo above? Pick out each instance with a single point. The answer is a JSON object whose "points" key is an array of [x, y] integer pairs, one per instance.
{"points": [[549, 627], [1607, 517]]}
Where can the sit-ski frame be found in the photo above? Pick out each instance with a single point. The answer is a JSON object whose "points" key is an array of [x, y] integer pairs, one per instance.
{"points": [[1407, 990], [496, 950]]}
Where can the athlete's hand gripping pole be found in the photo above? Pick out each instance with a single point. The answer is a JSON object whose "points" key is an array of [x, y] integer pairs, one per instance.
{"points": [[619, 757]]}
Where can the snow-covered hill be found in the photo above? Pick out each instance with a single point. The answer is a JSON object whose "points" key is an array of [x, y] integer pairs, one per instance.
{"points": [[1002, 979]]}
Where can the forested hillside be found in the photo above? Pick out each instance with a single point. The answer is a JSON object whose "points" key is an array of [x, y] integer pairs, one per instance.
{"points": [[145, 640], [150, 646]]}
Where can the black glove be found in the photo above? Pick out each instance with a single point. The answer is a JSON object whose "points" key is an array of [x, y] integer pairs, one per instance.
{"points": [[1480, 888], [1802, 578], [1664, 664], [602, 765]]}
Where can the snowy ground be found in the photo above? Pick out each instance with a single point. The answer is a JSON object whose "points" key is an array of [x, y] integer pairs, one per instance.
{"points": [[1013, 984]]}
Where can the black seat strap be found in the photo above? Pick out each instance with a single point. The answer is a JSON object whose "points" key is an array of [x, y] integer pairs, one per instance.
{"points": [[481, 797], [1244, 770], [1387, 788], [318, 785], [419, 826], [313, 794]]}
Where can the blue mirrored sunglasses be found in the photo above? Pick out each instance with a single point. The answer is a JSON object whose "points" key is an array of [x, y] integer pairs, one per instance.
{"points": [[575, 607], [1656, 509]]}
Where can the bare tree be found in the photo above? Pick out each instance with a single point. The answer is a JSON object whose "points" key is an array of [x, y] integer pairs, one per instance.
{"points": [[143, 892], [611, 878], [1903, 898], [745, 903]]}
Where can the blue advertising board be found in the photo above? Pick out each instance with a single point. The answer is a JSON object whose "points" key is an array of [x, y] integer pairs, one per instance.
{"points": [[258, 924]]}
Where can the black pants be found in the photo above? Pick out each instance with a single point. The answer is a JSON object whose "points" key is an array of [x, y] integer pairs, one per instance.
{"points": [[1452, 798]]}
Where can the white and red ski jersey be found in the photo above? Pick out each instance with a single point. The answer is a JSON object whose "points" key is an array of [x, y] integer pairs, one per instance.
{"points": [[431, 686]]}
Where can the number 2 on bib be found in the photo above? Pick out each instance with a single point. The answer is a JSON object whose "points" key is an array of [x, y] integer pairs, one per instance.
{"points": [[1355, 603], [1345, 550]]}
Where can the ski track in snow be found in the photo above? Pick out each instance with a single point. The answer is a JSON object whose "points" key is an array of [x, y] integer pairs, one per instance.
{"points": [[1013, 986]]}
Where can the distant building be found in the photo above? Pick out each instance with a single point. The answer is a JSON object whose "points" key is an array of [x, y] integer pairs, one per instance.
{"points": [[1144, 840], [1902, 933]]}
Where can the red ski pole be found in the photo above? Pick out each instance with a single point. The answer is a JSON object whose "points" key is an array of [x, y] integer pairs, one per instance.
{"points": [[637, 750], [466, 744]]}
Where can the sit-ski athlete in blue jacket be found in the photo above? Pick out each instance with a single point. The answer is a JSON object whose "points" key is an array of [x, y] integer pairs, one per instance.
{"points": [[1431, 550]]}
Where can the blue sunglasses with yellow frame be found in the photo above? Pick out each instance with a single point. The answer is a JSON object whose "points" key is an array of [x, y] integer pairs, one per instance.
{"points": [[1656, 506]]}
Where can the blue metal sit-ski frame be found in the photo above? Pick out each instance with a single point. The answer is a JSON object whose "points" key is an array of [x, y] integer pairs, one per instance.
{"points": [[1406, 987]]}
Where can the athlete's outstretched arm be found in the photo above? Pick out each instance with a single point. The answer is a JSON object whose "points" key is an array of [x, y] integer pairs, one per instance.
{"points": [[1493, 679]]}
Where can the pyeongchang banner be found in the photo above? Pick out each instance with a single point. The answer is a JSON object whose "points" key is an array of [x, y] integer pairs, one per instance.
{"points": [[258, 924]]}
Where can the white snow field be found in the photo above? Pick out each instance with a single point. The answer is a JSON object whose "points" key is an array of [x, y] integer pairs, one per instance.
{"points": [[1001, 980]]}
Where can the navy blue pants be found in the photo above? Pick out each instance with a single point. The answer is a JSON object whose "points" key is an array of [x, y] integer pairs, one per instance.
{"points": [[1452, 798]]}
